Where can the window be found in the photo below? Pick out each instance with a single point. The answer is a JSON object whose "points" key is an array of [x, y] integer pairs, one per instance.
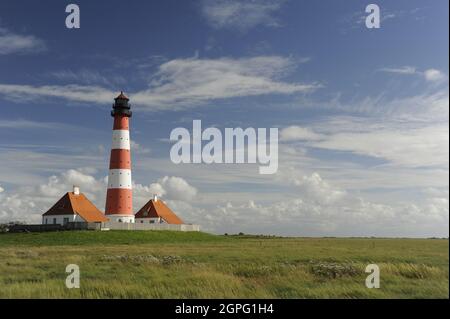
{"points": [[142, 221], [120, 220], [54, 221], [46, 221], [66, 220]]}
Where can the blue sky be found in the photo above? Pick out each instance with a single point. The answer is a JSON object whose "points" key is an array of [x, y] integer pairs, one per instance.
{"points": [[362, 114]]}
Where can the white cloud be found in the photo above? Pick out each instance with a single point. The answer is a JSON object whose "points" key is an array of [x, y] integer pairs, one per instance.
{"points": [[296, 133], [414, 147], [167, 187], [77, 93], [430, 75], [402, 70], [138, 148], [177, 188], [319, 209], [28, 203], [27, 124], [89, 77], [185, 83], [241, 14], [11, 43], [434, 75], [317, 190], [315, 208], [397, 143], [405, 132]]}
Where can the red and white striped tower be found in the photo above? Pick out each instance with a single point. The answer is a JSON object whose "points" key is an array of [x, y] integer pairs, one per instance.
{"points": [[119, 198]]}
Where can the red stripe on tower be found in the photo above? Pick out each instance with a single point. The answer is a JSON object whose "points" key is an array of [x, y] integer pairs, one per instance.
{"points": [[119, 198]]}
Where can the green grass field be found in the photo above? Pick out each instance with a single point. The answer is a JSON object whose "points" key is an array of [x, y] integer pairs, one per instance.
{"points": [[163, 264]]}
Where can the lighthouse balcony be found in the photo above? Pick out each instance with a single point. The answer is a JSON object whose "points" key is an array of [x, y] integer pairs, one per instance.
{"points": [[123, 112]]}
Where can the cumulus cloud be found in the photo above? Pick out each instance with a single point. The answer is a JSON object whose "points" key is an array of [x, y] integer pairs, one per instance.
{"points": [[11, 43], [241, 14], [316, 190], [315, 208], [434, 75], [320, 209], [28, 203], [177, 188], [167, 187], [182, 83]]}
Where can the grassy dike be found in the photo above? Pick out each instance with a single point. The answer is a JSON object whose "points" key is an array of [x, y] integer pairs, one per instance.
{"points": [[164, 264]]}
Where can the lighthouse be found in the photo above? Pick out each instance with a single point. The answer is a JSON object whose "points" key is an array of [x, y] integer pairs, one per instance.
{"points": [[119, 198]]}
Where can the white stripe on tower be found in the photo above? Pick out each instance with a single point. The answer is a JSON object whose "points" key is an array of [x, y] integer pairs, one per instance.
{"points": [[119, 178], [121, 139]]}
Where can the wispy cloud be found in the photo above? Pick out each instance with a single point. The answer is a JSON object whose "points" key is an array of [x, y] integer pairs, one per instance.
{"points": [[412, 147], [400, 70], [430, 75], [182, 83], [298, 133], [187, 82], [407, 132], [241, 14], [11, 43], [89, 77], [72, 92], [27, 124]]}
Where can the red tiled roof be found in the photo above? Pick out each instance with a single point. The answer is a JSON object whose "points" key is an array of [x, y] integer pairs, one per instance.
{"points": [[71, 204], [155, 209]]}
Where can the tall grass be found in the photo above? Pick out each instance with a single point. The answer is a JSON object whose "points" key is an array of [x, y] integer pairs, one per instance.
{"points": [[126, 264]]}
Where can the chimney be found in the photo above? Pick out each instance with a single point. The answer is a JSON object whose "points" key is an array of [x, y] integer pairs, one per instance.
{"points": [[155, 198], [76, 190]]}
